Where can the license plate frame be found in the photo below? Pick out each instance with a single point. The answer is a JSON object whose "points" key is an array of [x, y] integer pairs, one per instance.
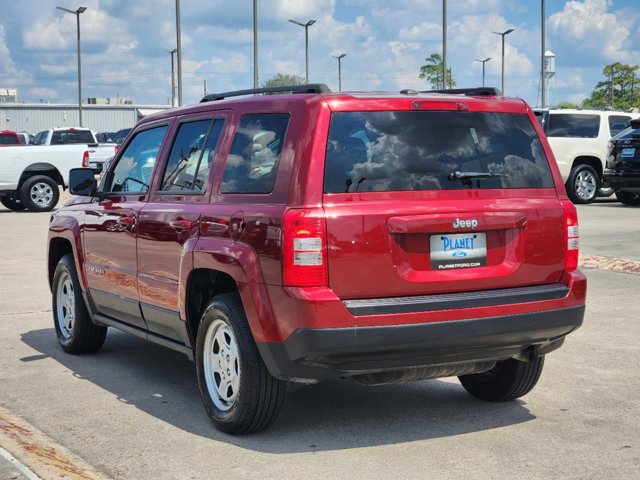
{"points": [[628, 152], [452, 251]]}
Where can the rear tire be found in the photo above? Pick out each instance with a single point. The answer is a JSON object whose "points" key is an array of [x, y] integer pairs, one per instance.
{"points": [[628, 198], [583, 184], [508, 380], [39, 193], [75, 331], [12, 204], [238, 392]]}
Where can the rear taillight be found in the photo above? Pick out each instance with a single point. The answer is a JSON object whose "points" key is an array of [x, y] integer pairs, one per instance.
{"points": [[116, 148], [304, 248], [85, 159], [572, 236]]}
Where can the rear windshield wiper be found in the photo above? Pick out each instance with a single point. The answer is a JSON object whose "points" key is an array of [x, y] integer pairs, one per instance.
{"points": [[466, 177]]}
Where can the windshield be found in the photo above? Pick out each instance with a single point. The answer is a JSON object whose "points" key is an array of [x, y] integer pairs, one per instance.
{"points": [[418, 150]]}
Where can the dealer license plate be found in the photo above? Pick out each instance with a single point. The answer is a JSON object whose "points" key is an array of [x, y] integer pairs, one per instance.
{"points": [[465, 250], [628, 152]]}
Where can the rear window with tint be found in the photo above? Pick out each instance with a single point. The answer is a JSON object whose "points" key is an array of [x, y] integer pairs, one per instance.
{"points": [[573, 125], [8, 139], [618, 123], [387, 151], [62, 137]]}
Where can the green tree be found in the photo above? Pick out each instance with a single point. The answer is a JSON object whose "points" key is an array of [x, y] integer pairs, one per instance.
{"points": [[621, 80], [432, 71], [283, 80], [566, 105]]}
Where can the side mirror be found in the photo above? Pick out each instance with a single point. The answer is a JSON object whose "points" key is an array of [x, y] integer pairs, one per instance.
{"points": [[82, 182]]}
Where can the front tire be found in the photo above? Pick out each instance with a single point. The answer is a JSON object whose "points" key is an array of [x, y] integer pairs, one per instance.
{"points": [[238, 392], [12, 204], [583, 184], [75, 331], [508, 380], [39, 193], [628, 198]]}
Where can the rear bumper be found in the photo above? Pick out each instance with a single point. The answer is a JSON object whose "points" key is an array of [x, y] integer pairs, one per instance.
{"points": [[628, 181], [313, 354]]}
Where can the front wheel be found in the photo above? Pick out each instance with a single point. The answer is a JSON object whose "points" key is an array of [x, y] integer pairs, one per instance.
{"points": [[628, 198], [508, 380], [583, 184], [39, 193], [238, 392], [75, 331], [12, 204]]}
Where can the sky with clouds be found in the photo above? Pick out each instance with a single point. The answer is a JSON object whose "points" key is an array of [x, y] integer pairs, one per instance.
{"points": [[124, 45]]}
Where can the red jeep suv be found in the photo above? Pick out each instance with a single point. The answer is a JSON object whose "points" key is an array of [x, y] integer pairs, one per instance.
{"points": [[293, 234]]}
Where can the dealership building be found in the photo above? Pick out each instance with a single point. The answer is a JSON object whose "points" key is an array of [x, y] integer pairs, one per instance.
{"points": [[99, 114]]}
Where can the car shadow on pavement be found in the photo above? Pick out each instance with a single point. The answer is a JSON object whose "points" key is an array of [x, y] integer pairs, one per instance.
{"points": [[330, 415]]}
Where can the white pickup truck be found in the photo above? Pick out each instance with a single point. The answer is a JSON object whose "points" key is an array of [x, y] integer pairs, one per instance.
{"points": [[98, 152], [31, 176]]}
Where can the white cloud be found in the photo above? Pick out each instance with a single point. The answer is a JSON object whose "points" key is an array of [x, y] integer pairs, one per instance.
{"points": [[589, 27]]}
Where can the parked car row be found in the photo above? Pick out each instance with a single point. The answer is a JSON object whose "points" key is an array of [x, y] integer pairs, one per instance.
{"points": [[579, 140], [30, 178]]}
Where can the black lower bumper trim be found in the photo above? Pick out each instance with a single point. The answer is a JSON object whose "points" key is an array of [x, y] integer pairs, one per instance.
{"points": [[313, 354]]}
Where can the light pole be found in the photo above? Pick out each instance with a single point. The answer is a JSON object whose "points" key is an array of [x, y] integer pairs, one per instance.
{"points": [[179, 52], [340, 57], [543, 49], [444, 44], [483, 62], [173, 78], [503, 34], [306, 44], [77, 13], [255, 44]]}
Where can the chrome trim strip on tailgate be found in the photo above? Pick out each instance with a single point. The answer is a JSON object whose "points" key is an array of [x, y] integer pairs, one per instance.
{"points": [[451, 301]]}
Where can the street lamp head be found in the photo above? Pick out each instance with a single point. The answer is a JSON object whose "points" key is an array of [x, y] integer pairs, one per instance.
{"points": [[75, 12], [172, 51], [308, 24], [342, 55], [506, 32]]}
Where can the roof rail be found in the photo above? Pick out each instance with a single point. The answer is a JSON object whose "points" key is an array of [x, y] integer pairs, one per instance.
{"points": [[478, 91], [308, 88]]}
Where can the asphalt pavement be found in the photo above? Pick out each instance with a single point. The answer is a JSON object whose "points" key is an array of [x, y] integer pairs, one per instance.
{"points": [[132, 411]]}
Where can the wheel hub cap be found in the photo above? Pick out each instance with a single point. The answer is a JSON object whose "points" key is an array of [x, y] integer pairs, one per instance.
{"points": [[41, 194], [221, 365], [585, 185], [65, 306]]}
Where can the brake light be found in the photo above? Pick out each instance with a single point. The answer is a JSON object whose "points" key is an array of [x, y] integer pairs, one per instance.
{"points": [[304, 251], [116, 148], [85, 159], [572, 236]]}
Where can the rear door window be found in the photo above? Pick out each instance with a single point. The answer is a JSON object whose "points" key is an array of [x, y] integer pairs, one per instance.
{"points": [[191, 156], [387, 151], [8, 139], [253, 160], [573, 125]]}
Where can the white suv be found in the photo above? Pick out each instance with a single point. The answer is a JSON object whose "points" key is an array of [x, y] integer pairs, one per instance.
{"points": [[579, 140]]}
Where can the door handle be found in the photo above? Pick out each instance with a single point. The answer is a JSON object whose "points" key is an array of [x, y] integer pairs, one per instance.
{"points": [[181, 224], [128, 221]]}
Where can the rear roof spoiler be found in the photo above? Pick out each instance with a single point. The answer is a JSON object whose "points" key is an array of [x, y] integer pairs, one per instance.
{"points": [[478, 91], [308, 88]]}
